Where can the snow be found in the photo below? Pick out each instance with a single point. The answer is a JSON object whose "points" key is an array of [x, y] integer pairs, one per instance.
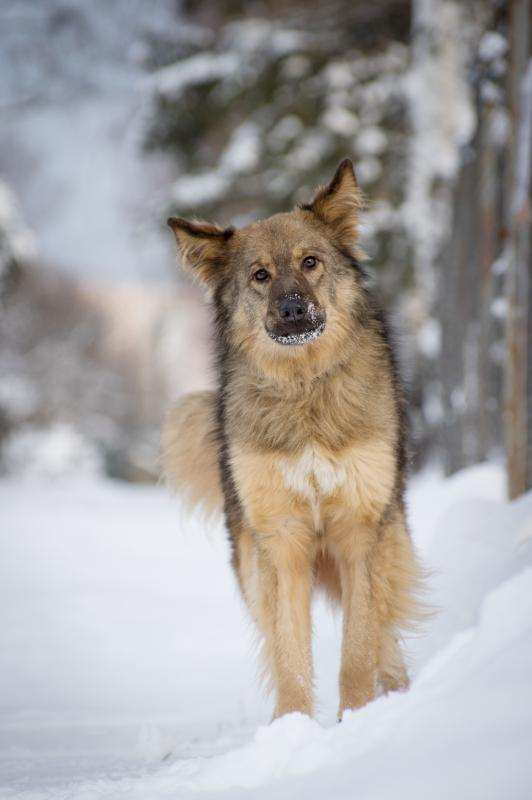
{"points": [[429, 338], [371, 141], [16, 240], [173, 80], [499, 307], [339, 75], [243, 151], [50, 452], [295, 67], [254, 34], [311, 147], [492, 45], [204, 187], [74, 110], [491, 93], [127, 661], [19, 397], [443, 120], [499, 129], [285, 130], [340, 120], [241, 155], [368, 170], [240, 39]]}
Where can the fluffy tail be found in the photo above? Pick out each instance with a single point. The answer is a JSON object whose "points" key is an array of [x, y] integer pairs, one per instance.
{"points": [[190, 452]]}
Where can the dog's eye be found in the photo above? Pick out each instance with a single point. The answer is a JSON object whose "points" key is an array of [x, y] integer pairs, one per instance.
{"points": [[261, 275], [309, 262]]}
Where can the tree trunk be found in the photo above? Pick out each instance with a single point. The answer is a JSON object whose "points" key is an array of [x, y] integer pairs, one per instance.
{"points": [[518, 410]]}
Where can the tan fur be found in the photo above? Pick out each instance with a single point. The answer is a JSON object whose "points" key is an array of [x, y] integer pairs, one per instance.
{"points": [[312, 464], [189, 452], [200, 244]]}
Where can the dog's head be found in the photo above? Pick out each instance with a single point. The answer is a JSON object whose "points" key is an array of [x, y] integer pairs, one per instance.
{"points": [[289, 282]]}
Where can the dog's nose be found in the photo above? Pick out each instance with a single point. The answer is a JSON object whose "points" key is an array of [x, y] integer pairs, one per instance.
{"points": [[291, 309]]}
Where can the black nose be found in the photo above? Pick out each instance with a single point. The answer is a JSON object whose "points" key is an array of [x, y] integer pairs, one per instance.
{"points": [[291, 309]]}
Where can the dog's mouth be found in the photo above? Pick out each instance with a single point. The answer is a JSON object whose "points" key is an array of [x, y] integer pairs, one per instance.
{"points": [[296, 334]]}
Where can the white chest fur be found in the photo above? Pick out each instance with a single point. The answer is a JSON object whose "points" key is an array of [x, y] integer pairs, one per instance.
{"points": [[358, 480], [312, 472], [313, 476], [362, 477]]}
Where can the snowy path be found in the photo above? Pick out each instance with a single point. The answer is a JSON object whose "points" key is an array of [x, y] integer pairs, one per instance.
{"points": [[127, 666]]}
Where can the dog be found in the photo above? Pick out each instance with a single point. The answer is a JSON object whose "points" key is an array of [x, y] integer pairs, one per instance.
{"points": [[303, 442]]}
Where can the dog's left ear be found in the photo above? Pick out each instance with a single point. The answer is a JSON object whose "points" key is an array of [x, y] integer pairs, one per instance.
{"points": [[338, 205], [203, 248]]}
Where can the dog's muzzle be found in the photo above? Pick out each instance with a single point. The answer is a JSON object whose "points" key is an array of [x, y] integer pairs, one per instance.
{"points": [[298, 321], [297, 337]]}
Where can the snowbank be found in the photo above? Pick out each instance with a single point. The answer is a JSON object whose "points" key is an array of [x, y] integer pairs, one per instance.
{"points": [[127, 661], [50, 452]]}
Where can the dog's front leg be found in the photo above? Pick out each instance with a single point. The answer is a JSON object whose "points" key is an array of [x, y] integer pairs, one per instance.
{"points": [[285, 586], [360, 640]]}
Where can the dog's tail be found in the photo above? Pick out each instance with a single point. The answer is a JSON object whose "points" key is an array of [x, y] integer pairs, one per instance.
{"points": [[190, 452]]}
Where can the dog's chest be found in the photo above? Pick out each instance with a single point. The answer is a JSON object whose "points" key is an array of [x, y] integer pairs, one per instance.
{"points": [[360, 478], [312, 474], [313, 484]]}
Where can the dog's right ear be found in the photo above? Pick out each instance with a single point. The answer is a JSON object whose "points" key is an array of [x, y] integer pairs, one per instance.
{"points": [[202, 246], [338, 205]]}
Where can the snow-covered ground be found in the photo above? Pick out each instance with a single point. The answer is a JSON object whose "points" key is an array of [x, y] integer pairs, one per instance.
{"points": [[127, 666]]}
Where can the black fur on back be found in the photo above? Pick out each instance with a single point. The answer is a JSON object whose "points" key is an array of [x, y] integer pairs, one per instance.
{"points": [[232, 505]]}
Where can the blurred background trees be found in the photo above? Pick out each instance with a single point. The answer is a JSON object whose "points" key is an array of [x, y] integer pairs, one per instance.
{"points": [[117, 114]]}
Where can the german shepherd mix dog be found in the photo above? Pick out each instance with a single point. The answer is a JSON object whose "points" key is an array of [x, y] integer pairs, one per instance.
{"points": [[303, 441]]}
